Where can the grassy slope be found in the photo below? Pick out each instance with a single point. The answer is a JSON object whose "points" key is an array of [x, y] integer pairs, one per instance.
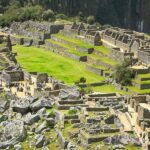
{"points": [[36, 59]]}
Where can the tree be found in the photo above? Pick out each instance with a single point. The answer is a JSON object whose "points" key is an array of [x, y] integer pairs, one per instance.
{"points": [[48, 15], [91, 20], [123, 74]]}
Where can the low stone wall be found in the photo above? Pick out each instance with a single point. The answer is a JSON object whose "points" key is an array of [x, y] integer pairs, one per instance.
{"points": [[95, 70], [71, 102], [71, 117], [67, 107], [54, 47], [144, 79], [142, 71], [55, 28], [91, 139], [64, 52], [62, 140], [55, 38], [28, 41], [19, 41], [68, 33], [37, 42], [91, 84], [102, 95], [116, 54], [85, 50], [99, 53], [97, 109], [75, 57], [98, 62], [142, 86]]}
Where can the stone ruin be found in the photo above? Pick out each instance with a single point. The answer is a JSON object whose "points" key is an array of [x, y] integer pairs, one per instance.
{"points": [[38, 104]]}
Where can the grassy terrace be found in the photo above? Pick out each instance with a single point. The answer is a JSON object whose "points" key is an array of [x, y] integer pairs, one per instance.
{"points": [[80, 43], [144, 75], [108, 89], [142, 82], [37, 59], [136, 90], [2, 45], [71, 49], [21, 36]]}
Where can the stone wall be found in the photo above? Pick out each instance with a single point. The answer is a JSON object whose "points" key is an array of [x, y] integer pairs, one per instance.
{"points": [[95, 70], [61, 139], [64, 51], [85, 50], [144, 56], [26, 41], [119, 56], [55, 28]]}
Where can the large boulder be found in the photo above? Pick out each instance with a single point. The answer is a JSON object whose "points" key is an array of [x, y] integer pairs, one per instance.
{"points": [[41, 103], [30, 119], [40, 139], [41, 127], [4, 104], [41, 112], [12, 132], [70, 93], [21, 106], [17, 147]]}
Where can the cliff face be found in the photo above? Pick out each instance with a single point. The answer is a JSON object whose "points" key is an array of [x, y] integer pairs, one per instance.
{"points": [[133, 14]]}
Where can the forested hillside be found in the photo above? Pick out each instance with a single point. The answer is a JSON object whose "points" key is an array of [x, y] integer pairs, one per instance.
{"points": [[133, 14]]}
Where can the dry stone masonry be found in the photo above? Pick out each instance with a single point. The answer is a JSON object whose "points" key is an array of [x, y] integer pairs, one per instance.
{"points": [[37, 111]]}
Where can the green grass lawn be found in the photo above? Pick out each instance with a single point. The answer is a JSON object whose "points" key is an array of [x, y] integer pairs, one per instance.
{"points": [[38, 60]]}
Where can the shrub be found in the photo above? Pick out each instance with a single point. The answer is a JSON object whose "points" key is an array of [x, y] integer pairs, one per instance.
{"points": [[48, 15], [82, 80], [72, 111], [20, 14], [1, 40], [61, 16], [123, 74], [91, 20]]}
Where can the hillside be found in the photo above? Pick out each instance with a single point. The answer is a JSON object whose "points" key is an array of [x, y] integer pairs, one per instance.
{"points": [[133, 14]]}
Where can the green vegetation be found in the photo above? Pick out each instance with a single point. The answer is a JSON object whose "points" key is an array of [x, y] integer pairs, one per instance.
{"points": [[123, 74], [48, 15], [82, 44], [144, 75], [17, 13], [70, 49], [141, 82], [90, 20], [37, 59], [136, 90], [72, 112], [107, 89]]}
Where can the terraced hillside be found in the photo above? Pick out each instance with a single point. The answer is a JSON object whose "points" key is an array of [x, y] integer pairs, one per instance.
{"points": [[69, 59]]}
